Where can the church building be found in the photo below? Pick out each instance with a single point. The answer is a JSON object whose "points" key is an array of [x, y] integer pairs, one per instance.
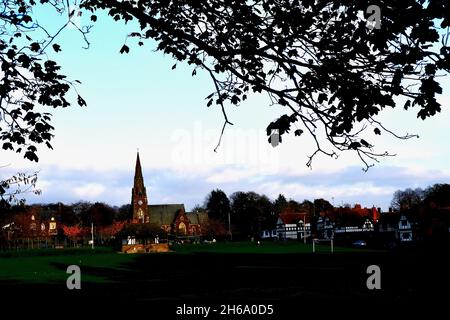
{"points": [[172, 218]]}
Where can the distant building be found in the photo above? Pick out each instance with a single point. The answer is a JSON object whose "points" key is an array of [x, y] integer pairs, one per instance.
{"points": [[35, 227], [269, 234], [325, 228], [172, 218], [405, 233], [293, 225], [399, 225]]}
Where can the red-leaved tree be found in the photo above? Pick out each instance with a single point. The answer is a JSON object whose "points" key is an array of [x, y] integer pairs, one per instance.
{"points": [[73, 232], [111, 230]]}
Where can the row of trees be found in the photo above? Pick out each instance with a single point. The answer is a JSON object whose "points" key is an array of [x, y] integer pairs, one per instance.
{"points": [[428, 209], [248, 213], [434, 196], [77, 214]]}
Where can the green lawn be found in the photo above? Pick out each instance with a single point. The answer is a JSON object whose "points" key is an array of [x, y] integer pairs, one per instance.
{"points": [[50, 265], [47, 266]]}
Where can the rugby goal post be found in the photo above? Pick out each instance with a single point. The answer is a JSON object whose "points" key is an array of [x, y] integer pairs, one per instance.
{"points": [[314, 241]]}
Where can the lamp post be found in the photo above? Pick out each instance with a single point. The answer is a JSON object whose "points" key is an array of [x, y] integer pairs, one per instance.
{"points": [[304, 229], [92, 234], [229, 226]]}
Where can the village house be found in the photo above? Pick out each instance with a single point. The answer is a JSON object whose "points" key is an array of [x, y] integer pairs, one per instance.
{"points": [[293, 225]]}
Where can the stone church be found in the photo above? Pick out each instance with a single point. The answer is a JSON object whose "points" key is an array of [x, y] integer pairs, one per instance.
{"points": [[172, 218]]}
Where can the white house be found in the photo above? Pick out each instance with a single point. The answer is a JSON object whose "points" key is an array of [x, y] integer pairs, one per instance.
{"points": [[325, 228], [405, 233], [293, 225]]}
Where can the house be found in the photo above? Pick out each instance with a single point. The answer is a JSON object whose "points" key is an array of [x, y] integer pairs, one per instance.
{"points": [[398, 225], [405, 233], [325, 228], [293, 225], [34, 227], [367, 226], [269, 234]]}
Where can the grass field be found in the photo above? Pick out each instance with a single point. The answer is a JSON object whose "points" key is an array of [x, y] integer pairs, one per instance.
{"points": [[49, 265], [274, 272]]}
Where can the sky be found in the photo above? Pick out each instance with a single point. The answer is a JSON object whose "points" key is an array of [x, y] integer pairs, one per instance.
{"points": [[136, 101]]}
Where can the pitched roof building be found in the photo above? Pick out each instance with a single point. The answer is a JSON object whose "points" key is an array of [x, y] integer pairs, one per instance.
{"points": [[172, 218]]}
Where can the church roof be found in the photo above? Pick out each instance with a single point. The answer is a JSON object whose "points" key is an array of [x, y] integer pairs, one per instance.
{"points": [[197, 218], [164, 213]]}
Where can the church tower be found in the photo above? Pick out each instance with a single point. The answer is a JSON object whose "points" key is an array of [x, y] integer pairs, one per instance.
{"points": [[139, 203]]}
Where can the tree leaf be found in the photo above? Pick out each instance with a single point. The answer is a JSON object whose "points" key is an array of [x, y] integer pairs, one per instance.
{"points": [[56, 47], [124, 49], [81, 101]]}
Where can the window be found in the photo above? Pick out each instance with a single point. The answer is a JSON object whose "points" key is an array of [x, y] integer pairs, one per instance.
{"points": [[182, 228]]}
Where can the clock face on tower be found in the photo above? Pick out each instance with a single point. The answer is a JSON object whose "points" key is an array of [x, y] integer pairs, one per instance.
{"points": [[140, 202]]}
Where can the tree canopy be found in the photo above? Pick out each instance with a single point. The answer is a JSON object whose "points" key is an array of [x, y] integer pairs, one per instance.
{"points": [[29, 80], [217, 205], [435, 196], [322, 61], [251, 212], [329, 68], [407, 199]]}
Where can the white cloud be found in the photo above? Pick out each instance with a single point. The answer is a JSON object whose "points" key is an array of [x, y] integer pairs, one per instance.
{"points": [[90, 190], [300, 191]]}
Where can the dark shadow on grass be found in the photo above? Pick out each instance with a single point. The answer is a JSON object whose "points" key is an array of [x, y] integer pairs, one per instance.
{"points": [[339, 280]]}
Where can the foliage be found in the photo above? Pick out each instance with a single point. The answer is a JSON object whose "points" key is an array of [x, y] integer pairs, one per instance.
{"points": [[124, 213], [217, 205], [18, 184], [251, 213], [438, 195], [99, 213], [321, 205], [112, 230], [280, 204], [30, 81], [72, 232], [407, 199], [198, 208], [331, 72], [320, 60], [213, 227]]}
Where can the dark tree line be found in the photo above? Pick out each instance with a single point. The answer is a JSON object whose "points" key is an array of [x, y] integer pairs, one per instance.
{"points": [[436, 196], [250, 212], [79, 213], [428, 209]]}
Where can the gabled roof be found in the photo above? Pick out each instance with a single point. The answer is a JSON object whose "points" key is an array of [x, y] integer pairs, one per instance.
{"points": [[164, 213], [197, 217], [394, 217], [293, 217]]}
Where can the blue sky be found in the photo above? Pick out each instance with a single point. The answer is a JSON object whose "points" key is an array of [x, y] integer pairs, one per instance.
{"points": [[136, 101]]}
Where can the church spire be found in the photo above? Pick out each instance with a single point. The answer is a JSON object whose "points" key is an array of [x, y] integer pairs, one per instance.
{"points": [[138, 178], [139, 201]]}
